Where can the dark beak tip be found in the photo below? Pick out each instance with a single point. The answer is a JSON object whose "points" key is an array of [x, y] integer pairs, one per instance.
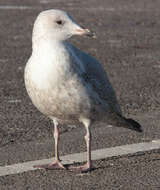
{"points": [[92, 35]]}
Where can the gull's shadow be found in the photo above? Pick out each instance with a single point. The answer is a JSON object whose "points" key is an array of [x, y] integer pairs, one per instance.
{"points": [[67, 166]]}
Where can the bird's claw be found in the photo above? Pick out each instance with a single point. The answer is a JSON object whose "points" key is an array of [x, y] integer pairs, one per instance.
{"points": [[51, 166]]}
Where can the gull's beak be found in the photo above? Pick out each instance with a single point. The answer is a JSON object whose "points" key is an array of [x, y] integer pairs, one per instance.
{"points": [[84, 32]]}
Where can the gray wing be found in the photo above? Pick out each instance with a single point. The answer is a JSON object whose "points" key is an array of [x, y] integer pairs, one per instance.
{"points": [[97, 77]]}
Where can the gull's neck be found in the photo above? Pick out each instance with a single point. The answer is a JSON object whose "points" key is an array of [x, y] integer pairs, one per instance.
{"points": [[43, 43], [51, 52]]}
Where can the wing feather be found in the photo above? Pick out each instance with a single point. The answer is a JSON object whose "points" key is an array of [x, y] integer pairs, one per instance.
{"points": [[97, 77]]}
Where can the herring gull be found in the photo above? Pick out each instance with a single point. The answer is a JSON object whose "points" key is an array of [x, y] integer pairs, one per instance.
{"points": [[66, 84]]}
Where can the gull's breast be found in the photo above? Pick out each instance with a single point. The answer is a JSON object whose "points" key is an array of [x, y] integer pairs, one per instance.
{"points": [[57, 92]]}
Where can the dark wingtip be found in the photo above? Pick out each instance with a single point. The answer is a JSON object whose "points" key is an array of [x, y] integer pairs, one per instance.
{"points": [[135, 125]]}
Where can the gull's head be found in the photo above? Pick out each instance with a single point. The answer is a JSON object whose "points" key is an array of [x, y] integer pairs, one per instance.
{"points": [[58, 25]]}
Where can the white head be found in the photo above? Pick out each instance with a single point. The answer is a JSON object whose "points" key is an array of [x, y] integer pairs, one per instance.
{"points": [[56, 24]]}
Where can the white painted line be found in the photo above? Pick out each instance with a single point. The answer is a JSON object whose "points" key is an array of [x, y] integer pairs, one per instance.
{"points": [[14, 101], [44, 1], [16, 7], [81, 157]]}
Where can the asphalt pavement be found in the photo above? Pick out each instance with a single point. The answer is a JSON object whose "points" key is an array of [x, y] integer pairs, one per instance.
{"points": [[127, 44]]}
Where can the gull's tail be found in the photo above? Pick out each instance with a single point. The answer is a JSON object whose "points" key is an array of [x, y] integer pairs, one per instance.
{"points": [[130, 124], [120, 121], [134, 125]]}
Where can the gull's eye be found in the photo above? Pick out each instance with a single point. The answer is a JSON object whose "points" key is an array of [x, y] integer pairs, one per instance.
{"points": [[59, 22]]}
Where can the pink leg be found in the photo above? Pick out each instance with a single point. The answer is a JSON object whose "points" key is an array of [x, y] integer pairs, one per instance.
{"points": [[86, 167], [88, 143], [57, 163]]}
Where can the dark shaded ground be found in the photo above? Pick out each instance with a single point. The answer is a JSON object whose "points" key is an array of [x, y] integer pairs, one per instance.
{"points": [[127, 44]]}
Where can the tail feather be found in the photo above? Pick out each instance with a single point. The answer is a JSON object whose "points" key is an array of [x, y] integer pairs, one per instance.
{"points": [[134, 125], [128, 123]]}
